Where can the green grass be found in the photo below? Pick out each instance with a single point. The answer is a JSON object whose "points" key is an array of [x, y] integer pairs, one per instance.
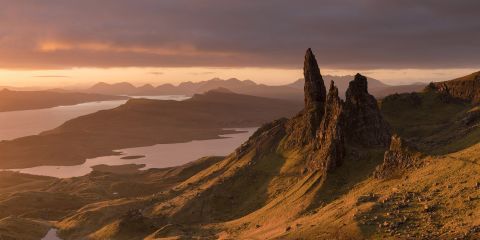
{"points": [[431, 124], [420, 120]]}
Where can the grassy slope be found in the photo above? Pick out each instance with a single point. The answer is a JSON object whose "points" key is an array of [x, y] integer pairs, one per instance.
{"points": [[441, 184], [21, 228], [432, 125]]}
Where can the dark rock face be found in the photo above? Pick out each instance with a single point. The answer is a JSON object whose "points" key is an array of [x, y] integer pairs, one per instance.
{"points": [[331, 139], [315, 92], [304, 126], [466, 88], [364, 123], [397, 159], [327, 124]]}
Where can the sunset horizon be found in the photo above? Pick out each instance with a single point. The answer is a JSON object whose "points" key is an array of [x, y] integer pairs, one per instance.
{"points": [[239, 119], [55, 45]]}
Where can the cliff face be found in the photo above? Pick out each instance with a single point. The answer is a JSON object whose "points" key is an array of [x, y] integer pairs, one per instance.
{"points": [[465, 88]]}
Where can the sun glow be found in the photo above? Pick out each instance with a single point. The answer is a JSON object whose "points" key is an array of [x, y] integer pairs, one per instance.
{"points": [[84, 77]]}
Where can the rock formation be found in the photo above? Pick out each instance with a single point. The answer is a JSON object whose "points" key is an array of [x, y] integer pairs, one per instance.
{"points": [[304, 126], [331, 143], [465, 88], [397, 159], [315, 92], [327, 124], [364, 122]]}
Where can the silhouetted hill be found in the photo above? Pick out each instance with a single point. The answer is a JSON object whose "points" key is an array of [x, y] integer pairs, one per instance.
{"points": [[143, 122], [123, 88], [190, 88], [25, 100], [293, 91]]}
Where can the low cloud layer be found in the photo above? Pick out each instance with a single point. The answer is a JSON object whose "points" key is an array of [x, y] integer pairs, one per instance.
{"points": [[358, 34]]}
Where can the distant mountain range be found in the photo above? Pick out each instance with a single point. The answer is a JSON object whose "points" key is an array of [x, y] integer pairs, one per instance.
{"points": [[293, 91]]}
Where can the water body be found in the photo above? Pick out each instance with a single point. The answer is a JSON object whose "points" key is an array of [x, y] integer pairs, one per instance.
{"points": [[17, 124], [51, 235], [156, 156]]}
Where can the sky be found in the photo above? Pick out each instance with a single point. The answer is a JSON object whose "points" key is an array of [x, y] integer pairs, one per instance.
{"points": [[64, 43]]}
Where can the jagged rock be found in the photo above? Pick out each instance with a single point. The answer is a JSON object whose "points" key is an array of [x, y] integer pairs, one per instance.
{"points": [[302, 129], [397, 159], [331, 139], [364, 122], [315, 92], [326, 124]]}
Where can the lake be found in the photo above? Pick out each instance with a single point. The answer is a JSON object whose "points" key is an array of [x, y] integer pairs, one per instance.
{"points": [[51, 235], [17, 124], [156, 156]]}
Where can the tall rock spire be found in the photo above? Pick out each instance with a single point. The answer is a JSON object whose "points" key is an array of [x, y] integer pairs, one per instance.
{"points": [[303, 128], [315, 92]]}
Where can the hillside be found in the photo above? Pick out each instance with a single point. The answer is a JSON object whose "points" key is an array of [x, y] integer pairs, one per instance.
{"points": [[142, 122], [465, 88], [407, 168], [27, 100]]}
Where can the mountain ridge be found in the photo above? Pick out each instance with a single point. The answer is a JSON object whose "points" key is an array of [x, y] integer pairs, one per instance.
{"points": [[292, 91]]}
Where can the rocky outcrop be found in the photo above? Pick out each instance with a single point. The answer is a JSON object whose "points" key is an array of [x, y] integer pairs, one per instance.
{"points": [[304, 126], [397, 159], [364, 123], [326, 124], [465, 88], [331, 135], [314, 88]]}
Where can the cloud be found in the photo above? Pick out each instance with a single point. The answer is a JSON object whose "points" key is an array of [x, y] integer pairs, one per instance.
{"points": [[360, 34], [51, 76], [202, 73], [156, 73]]}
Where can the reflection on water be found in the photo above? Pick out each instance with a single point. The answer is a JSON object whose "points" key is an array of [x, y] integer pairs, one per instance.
{"points": [[17, 124], [51, 235], [156, 156]]}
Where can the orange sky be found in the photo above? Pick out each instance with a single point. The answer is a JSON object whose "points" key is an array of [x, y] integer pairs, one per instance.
{"points": [[78, 43], [84, 77]]}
